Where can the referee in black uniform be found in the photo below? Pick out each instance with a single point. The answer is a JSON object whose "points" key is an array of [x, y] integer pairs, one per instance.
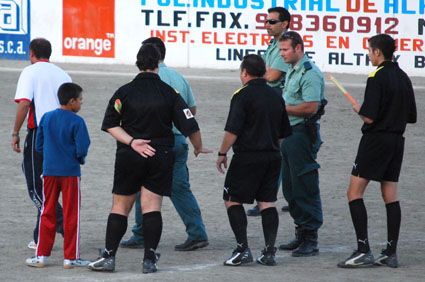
{"points": [[255, 127], [389, 104], [140, 116]]}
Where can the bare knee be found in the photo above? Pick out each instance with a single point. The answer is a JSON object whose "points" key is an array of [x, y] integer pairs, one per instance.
{"points": [[389, 192], [228, 204], [357, 188], [150, 201], [353, 194], [122, 204], [266, 205]]}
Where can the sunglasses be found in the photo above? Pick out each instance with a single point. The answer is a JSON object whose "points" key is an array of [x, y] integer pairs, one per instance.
{"points": [[288, 34], [273, 21]]}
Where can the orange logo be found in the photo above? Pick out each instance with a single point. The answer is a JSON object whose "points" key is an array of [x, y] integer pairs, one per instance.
{"points": [[89, 28]]}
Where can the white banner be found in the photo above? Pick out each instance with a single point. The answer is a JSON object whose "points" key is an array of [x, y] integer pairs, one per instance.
{"points": [[218, 33]]}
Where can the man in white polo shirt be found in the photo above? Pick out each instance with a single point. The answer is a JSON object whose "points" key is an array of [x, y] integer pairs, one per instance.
{"points": [[36, 94]]}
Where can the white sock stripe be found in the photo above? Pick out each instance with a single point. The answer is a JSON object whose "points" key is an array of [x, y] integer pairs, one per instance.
{"points": [[41, 213], [77, 247], [34, 186]]}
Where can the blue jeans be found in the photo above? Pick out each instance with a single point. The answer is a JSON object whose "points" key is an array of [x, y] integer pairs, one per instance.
{"points": [[181, 196], [300, 178]]}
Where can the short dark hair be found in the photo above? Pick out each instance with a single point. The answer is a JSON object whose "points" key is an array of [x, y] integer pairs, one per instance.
{"points": [[41, 48], [385, 43], [254, 65], [158, 43], [284, 14], [295, 38], [148, 57], [68, 91]]}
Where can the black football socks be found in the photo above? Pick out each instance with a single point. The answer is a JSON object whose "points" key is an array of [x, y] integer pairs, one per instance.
{"points": [[270, 222], [239, 223], [115, 230], [152, 229], [359, 217], [393, 226]]}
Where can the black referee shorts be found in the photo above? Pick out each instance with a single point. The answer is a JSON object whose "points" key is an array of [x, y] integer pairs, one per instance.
{"points": [[253, 176], [379, 157], [132, 171]]}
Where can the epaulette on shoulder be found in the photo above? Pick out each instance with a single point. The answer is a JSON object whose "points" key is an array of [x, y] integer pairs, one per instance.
{"points": [[375, 71], [239, 90], [307, 66]]}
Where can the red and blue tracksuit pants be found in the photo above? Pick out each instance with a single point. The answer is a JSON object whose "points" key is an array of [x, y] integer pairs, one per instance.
{"points": [[71, 201]]}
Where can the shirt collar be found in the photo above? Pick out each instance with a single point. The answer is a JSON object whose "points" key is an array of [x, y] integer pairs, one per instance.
{"points": [[388, 64], [272, 41], [150, 75], [256, 81], [300, 63]]}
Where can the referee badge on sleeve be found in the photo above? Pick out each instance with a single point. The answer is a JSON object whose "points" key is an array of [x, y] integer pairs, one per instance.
{"points": [[188, 113], [118, 106]]}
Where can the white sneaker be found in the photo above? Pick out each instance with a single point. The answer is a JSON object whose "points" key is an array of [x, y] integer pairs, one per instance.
{"points": [[37, 261], [70, 263], [32, 245]]}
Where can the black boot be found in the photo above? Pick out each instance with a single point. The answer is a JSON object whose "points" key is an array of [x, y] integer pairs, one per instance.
{"points": [[309, 246], [299, 234]]}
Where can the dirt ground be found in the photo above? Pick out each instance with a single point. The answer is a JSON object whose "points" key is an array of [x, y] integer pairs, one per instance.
{"points": [[213, 89]]}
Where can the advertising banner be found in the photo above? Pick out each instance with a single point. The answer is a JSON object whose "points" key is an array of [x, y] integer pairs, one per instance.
{"points": [[14, 29], [218, 33], [214, 33], [89, 28]]}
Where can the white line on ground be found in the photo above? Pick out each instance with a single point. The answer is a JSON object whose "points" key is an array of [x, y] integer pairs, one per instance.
{"points": [[190, 267], [198, 77]]}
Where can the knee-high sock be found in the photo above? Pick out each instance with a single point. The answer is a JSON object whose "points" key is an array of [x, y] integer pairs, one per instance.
{"points": [[270, 222], [115, 230], [393, 226], [239, 223], [152, 229], [359, 217]]}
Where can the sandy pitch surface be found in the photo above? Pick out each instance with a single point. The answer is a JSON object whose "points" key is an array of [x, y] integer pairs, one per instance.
{"points": [[213, 89]]}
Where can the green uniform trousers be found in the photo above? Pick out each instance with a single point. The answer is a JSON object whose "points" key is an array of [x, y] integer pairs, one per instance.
{"points": [[300, 178]]}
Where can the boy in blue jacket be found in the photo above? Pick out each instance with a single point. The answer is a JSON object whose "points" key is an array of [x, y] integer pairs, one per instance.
{"points": [[63, 139]]}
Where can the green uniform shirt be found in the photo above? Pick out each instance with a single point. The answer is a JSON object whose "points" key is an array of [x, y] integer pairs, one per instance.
{"points": [[304, 83], [274, 60], [179, 83]]}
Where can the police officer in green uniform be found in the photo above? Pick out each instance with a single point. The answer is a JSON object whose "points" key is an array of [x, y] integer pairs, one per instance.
{"points": [[303, 94], [277, 22]]}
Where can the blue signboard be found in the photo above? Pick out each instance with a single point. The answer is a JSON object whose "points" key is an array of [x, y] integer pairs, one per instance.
{"points": [[14, 29]]}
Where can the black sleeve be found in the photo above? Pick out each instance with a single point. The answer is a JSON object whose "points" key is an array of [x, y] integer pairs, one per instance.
{"points": [[285, 127], [236, 117], [372, 98], [183, 117], [113, 112], [412, 114]]}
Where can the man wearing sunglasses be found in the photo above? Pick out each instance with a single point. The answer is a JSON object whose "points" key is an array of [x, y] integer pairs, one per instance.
{"points": [[277, 23], [304, 99]]}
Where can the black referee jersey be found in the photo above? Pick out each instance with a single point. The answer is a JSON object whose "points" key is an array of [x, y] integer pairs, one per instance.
{"points": [[258, 117], [389, 100], [146, 108]]}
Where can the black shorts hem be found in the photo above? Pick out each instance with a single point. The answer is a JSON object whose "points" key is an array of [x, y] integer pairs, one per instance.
{"points": [[160, 192], [372, 178]]}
